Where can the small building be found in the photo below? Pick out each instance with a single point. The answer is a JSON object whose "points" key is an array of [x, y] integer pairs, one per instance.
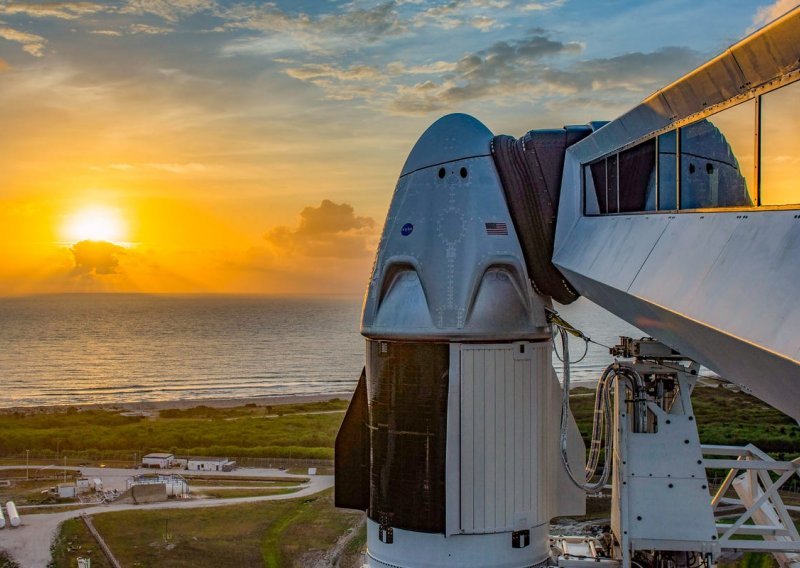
{"points": [[210, 464], [174, 485], [97, 484], [158, 460], [83, 485], [67, 490]]}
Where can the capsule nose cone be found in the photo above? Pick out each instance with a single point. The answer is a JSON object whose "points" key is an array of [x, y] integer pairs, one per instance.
{"points": [[452, 137]]}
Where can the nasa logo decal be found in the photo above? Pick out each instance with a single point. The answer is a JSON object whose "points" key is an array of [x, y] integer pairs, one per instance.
{"points": [[407, 229]]}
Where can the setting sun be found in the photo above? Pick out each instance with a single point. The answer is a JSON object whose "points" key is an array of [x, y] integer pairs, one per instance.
{"points": [[94, 224]]}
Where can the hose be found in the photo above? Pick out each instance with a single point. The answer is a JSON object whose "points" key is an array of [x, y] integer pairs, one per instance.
{"points": [[602, 425]]}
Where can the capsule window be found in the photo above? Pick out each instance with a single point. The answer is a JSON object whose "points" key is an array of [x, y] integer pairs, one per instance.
{"points": [[442, 173], [464, 172]]}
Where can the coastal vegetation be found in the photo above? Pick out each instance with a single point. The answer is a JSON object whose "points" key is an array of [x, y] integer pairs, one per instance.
{"points": [[304, 431], [308, 431]]}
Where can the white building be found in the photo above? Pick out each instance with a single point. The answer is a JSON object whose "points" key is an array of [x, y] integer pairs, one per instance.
{"points": [[67, 490], [210, 464], [176, 486], [159, 461]]}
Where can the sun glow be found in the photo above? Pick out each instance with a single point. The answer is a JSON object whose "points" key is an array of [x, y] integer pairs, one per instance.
{"points": [[95, 224]]}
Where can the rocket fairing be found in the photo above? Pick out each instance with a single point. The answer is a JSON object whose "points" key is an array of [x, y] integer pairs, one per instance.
{"points": [[451, 441]]}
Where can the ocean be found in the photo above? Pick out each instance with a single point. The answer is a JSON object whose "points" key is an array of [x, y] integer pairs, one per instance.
{"points": [[125, 348]]}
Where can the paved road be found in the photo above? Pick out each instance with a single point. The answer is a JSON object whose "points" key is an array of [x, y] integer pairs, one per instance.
{"points": [[29, 544]]}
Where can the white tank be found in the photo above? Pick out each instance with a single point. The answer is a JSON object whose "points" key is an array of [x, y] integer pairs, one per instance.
{"points": [[13, 515], [2, 519]]}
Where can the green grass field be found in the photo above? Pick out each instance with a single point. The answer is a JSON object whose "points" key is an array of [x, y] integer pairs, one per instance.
{"points": [[75, 541], [291, 532], [30, 487], [234, 493], [286, 431], [309, 430], [272, 534]]}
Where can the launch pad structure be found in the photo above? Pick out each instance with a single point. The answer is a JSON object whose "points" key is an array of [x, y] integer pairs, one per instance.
{"points": [[459, 442]]}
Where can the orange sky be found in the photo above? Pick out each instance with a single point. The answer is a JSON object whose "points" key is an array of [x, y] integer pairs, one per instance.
{"points": [[240, 147]]}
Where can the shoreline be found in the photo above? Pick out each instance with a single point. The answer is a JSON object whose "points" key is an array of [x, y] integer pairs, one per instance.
{"points": [[149, 406]]}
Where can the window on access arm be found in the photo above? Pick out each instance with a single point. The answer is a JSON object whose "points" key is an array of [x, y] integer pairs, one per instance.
{"points": [[780, 146], [668, 171], [717, 160], [637, 183]]}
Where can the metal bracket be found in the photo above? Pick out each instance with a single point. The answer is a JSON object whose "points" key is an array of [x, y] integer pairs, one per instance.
{"points": [[520, 539], [385, 532]]}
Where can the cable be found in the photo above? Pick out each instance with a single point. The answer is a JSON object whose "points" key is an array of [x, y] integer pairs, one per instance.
{"points": [[602, 437], [601, 427], [555, 318], [585, 350]]}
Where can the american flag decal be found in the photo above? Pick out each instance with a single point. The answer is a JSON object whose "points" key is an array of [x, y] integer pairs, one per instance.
{"points": [[496, 229]]}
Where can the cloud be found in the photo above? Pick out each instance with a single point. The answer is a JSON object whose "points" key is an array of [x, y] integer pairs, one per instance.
{"points": [[147, 29], [331, 230], [112, 33], [170, 10], [31, 43], [634, 72], [457, 13], [535, 68], [323, 33], [542, 6], [340, 83], [765, 14], [503, 69], [96, 258], [3, 65], [312, 71], [515, 70], [61, 10]]}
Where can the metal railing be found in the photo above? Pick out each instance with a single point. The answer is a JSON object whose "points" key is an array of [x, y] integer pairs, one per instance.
{"points": [[757, 510]]}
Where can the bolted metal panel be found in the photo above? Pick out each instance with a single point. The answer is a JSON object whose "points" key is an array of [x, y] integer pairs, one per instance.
{"points": [[770, 51], [714, 82], [455, 136], [503, 407], [449, 264], [771, 376]]}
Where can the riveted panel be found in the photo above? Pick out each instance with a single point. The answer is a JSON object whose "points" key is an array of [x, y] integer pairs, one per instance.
{"points": [[501, 406]]}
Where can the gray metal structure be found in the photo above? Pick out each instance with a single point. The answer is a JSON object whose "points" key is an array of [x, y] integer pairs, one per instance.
{"points": [[459, 442], [720, 286]]}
